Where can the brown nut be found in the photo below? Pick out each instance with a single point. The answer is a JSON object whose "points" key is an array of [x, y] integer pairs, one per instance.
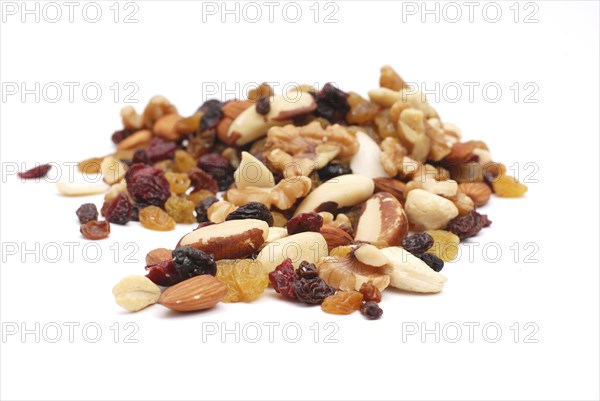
{"points": [[382, 221], [392, 186], [479, 192], [165, 127], [196, 293], [233, 239], [135, 140], [335, 236], [158, 255]]}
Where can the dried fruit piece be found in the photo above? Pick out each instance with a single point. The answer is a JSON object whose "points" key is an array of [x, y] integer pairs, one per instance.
{"points": [[180, 209], [147, 185], [211, 114], [36, 172], [312, 290], [343, 303], [333, 170], [244, 278], [468, 225], [163, 273], [217, 167], [252, 210], [263, 105], [159, 149], [283, 278], [190, 262], [118, 210], [432, 261], [418, 243], [154, 218], [202, 209], [305, 222], [196, 293], [201, 180], [370, 292], [179, 183], [134, 293], [445, 244], [508, 187], [332, 104], [87, 212], [158, 255], [95, 229], [371, 310]]}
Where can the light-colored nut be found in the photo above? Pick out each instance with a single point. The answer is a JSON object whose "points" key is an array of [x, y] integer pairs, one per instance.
{"points": [[389, 78], [428, 211], [394, 159], [252, 173], [233, 239], [294, 166], [382, 221], [165, 127], [452, 132], [447, 189], [189, 125], [218, 211], [157, 107], [367, 162], [309, 246], [338, 192], [463, 203], [417, 100], [113, 170], [409, 273], [485, 156], [370, 255], [384, 97], [276, 233], [115, 190], [347, 273], [250, 125], [136, 140], [80, 189], [194, 294], [231, 155], [158, 255], [131, 119], [440, 147], [392, 186], [479, 192], [134, 293], [283, 196], [335, 236]]}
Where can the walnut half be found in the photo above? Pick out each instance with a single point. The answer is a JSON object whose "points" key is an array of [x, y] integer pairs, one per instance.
{"points": [[283, 195]]}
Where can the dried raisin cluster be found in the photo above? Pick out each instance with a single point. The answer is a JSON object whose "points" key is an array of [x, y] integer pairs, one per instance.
{"points": [[303, 284]]}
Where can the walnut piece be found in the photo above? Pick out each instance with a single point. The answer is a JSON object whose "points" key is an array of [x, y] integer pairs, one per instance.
{"points": [[283, 195], [394, 159]]}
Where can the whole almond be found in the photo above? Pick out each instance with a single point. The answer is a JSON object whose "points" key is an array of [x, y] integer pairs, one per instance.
{"points": [[479, 192], [460, 153], [335, 236], [165, 127], [235, 107], [392, 186], [135, 140], [158, 255], [194, 294]]}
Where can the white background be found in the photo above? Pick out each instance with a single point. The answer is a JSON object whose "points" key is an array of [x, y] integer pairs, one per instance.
{"points": [[171, 51]]}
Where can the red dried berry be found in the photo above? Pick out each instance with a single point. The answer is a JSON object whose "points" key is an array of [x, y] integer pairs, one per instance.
{"points": [[140, 156], [163, 273], [36, 172], [159, 149], [332, 104], [150, 190], [418, 243], [468, 225], [140, 170], [371, 310], [312, 290], [117, 210], [305, 222], [200, 180], [283, 279], [95, 229], [87, 212]]}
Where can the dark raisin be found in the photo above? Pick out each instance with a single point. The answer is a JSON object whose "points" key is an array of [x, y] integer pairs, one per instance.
{"points": [[332, 104], [418, 243], [190, 262], [200, 180], [263, 105], [283, 279], [371, 310], [159, 149], [95, 229], [118, 136], [333, 170], [252, 210], [135, 212], [468, 225], [139, 170], [370, 292], [211, 114], [312, 290], [307, 270], [150, 190], [202, 208], [204, 224], [305, 222], [163, 273], [36, 172], [140, 156], [218, 167], [87, 212], [432, 261], [117, 210]]}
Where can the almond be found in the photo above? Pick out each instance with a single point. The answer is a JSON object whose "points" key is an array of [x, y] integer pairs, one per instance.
{"points": [[478, 191], [335, 236], [392, 186], [235, 107], [196, 293], [460, 153], [158, 255], [165, 127], [382, 221], [135, 140]]}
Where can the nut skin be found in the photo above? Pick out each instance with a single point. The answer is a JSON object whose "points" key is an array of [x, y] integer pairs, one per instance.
{"points": [[382, 221], [158, 255], [394, 187], [479, 192], [335, 236], [194, 294]]}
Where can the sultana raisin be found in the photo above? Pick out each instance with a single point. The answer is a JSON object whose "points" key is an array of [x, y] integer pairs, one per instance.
{"points": [[343, 303], [370, 292], [245, 279], [117, 210], [95, 229], [312, 290], [283, 279], [179, 183], [468, 225], [202, 209], [332, 104], [180, 209], [508, 187], [87, 212], [190, 262], [252, 210], [159, 149], [432, 261], [36, 172], [445, 244], [184, 161], [305, 222], [371, 310], [263, 105], [154, 218], [333, 170], [417, 243]]}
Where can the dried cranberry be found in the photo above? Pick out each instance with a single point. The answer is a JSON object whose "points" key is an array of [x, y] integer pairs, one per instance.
{"points": [[163, 273], [283, 279], [312, 290], [190, 262], [252, 210], [159, 149], [263, 105], [139, 170], [305, 222], [117, 210], [307, 270], [87, 212], [468, 225], [118, 136], [202, 209], [36, 172], [432, 261], [140, 156], [211, 114], [95, 229], [418, 243], [371, 310], [333, 170], [150, 190], [200, 180], [332, 104], [218, 167]]}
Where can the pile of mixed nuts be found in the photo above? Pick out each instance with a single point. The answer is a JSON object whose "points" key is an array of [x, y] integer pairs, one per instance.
{"points": [[328, 196]]}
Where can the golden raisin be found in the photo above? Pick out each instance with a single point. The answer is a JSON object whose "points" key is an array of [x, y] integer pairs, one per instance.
{"points": [[370, 292], [199, 195], [508, 187], [178, 182], [279, 219], [181, 209], [90, 166], [445, 244], [361, 110], [245, 279], [343, 302], [154, 218], [184, 161]]}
